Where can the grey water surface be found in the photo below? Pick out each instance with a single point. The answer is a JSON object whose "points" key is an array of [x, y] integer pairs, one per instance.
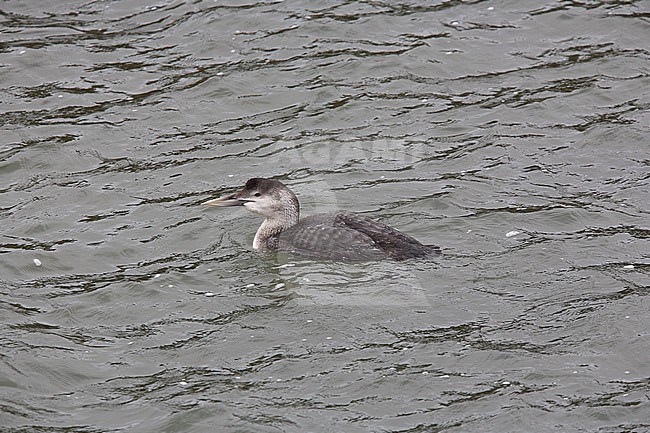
{"points": [[514, 134]]}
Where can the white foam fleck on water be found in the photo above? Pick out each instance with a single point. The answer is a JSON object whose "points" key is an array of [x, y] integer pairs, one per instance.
{"points": [[279, 285], [628, 267]]}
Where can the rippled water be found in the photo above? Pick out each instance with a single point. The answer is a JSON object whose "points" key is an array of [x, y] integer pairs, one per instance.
{"points": [[512, 133]]}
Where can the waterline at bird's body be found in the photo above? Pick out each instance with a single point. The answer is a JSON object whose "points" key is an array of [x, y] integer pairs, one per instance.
{"points": [[343, 236]]}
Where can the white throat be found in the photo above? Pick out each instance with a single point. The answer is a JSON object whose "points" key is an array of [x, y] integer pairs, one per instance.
{"points": [[257, 242], [270, 227]]}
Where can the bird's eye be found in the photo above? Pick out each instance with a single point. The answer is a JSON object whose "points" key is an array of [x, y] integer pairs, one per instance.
{"points": [[257, 194]]}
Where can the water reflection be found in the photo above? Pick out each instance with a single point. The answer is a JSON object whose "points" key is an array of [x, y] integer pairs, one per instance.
{"points": [[510, 134]]}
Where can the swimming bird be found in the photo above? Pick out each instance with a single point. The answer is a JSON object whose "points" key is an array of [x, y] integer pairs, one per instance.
{"points": [[339, 236]]}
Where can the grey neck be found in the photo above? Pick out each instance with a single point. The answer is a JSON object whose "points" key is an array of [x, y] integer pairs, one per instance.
{"points": [[274, 226]]}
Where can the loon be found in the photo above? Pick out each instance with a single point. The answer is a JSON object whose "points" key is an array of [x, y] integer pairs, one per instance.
{"points": [[338, 236]]}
